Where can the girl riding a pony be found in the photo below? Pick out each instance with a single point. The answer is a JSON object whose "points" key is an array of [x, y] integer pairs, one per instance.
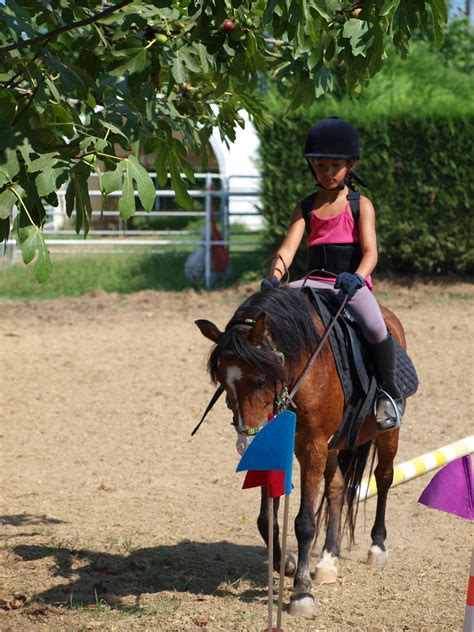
{"points": [[342, 244]]}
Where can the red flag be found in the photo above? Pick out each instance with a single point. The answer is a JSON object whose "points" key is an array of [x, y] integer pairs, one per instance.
{"points": [[274, 480], [269, 458]]}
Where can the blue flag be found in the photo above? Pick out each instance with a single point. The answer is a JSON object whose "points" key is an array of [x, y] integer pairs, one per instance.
{"points": [[272, 449]]}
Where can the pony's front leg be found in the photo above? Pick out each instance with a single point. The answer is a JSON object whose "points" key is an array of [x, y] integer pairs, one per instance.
{"points": [[262, 523], [312, 458], [326, 569], [387, 446]]}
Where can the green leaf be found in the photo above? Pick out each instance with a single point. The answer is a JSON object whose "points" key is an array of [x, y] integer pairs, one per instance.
{"points": [[322, 13], [93, 142], [179, 186], [205, 58], [222, 85], [113, 128], [43, 266], [133, 171], [127, 200], [177, 70], [7, 200], [45, 161], [145, 187], [440, 8], [136, 63], [26, 238], [53, 89], [62, 119], [355, 30], [190, 58], [322, 81], [388, 6], [269, 10], [78, 198], [51, 179], [8, 106], [30, 239], [9, 166], [440, 17], [111, 181], [161, 163]]}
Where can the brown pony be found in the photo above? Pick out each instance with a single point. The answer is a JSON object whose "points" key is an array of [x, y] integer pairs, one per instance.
{"points": [[261, 354]]}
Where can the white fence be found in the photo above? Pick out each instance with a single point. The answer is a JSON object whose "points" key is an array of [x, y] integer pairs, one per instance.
{"points": [[220, 195]]}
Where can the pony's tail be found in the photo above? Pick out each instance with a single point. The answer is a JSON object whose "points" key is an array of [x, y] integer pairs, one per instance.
{"points": [[352, 465]]}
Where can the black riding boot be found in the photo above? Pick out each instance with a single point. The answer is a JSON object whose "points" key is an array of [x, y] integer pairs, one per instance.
{"points": [[388, 405]]}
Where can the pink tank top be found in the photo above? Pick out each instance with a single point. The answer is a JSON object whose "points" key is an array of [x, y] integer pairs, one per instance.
{"points": [[338, 229]]}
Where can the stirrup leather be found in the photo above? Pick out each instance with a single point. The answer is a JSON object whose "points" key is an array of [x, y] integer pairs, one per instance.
{"points": [[388, 412]]}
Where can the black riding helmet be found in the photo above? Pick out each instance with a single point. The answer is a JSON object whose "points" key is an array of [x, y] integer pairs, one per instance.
{"points": [[332, 138]]}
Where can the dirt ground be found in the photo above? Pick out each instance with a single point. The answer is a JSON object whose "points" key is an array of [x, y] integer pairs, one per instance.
{"points": [[114, 518]]}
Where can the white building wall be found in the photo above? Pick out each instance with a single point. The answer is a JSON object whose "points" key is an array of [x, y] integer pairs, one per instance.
{"points": [[238, 164]]}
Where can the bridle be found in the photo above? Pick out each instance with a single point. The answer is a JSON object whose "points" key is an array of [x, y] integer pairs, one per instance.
{"points": [[281, 400], [285, 398]]}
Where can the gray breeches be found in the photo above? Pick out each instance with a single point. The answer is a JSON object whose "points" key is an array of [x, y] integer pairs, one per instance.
{"points": [[362, 307]]}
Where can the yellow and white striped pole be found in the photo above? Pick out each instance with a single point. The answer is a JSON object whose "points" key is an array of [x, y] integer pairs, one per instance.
{"points": [[421, 465]]}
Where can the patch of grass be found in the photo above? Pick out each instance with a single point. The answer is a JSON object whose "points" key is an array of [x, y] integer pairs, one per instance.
{"points": [[74, 604], [444, 298], [165, 606], [122, 273], [460, 297]]}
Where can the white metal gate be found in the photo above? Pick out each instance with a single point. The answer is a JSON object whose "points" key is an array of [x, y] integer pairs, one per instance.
{"points": [[216, 191]]}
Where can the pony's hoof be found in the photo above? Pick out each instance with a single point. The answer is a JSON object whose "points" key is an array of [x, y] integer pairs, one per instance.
{"points": [[325, 576], [377, 558], [302, 606], [326, 569], [291, 563]]}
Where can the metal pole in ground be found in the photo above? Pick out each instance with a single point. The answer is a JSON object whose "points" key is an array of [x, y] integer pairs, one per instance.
{"points": [[270, 564], [281, 587], [207, 244]]}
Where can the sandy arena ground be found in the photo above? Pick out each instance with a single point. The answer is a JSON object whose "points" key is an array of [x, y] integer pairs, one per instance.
{"points": [[114, 518]]}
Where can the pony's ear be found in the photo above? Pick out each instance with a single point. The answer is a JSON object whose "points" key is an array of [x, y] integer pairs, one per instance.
{"points": [[257, 332], [209, 330]]}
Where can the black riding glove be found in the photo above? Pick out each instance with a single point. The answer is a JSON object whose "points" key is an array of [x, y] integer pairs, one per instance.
{"points": [[266, 284], [349, 283]]}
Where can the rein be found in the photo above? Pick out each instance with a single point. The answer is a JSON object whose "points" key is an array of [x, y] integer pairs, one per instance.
{"points": [[317, 351], [285, 399]]}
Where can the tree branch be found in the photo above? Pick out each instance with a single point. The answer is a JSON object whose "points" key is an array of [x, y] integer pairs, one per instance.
{"points": [[46, 37]]}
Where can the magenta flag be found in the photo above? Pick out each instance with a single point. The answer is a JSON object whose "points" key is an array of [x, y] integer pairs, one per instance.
{"points": [[452, 489]]}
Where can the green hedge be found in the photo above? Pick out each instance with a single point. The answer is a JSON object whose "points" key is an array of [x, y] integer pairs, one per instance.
{"points": [[417, 137], [419, 173]]}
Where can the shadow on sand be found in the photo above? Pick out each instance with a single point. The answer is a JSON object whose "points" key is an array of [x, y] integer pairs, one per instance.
{"points": [[18, 520], [199, 568]]}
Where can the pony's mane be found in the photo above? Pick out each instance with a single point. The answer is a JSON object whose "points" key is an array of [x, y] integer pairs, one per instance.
{"points": [[290, 320]]}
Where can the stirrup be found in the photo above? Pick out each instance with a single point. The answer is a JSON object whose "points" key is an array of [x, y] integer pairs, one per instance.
{"points": [[388, 412]]}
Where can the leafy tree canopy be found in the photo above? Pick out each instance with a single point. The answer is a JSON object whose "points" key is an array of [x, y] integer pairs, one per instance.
{"points": [[89, 81]]}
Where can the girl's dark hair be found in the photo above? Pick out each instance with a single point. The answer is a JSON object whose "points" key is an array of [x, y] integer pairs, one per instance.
{"points": [[353, 181], [350, 181]]}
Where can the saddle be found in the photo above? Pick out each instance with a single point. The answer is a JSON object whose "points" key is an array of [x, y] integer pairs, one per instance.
{"points": [[355, 368]]}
